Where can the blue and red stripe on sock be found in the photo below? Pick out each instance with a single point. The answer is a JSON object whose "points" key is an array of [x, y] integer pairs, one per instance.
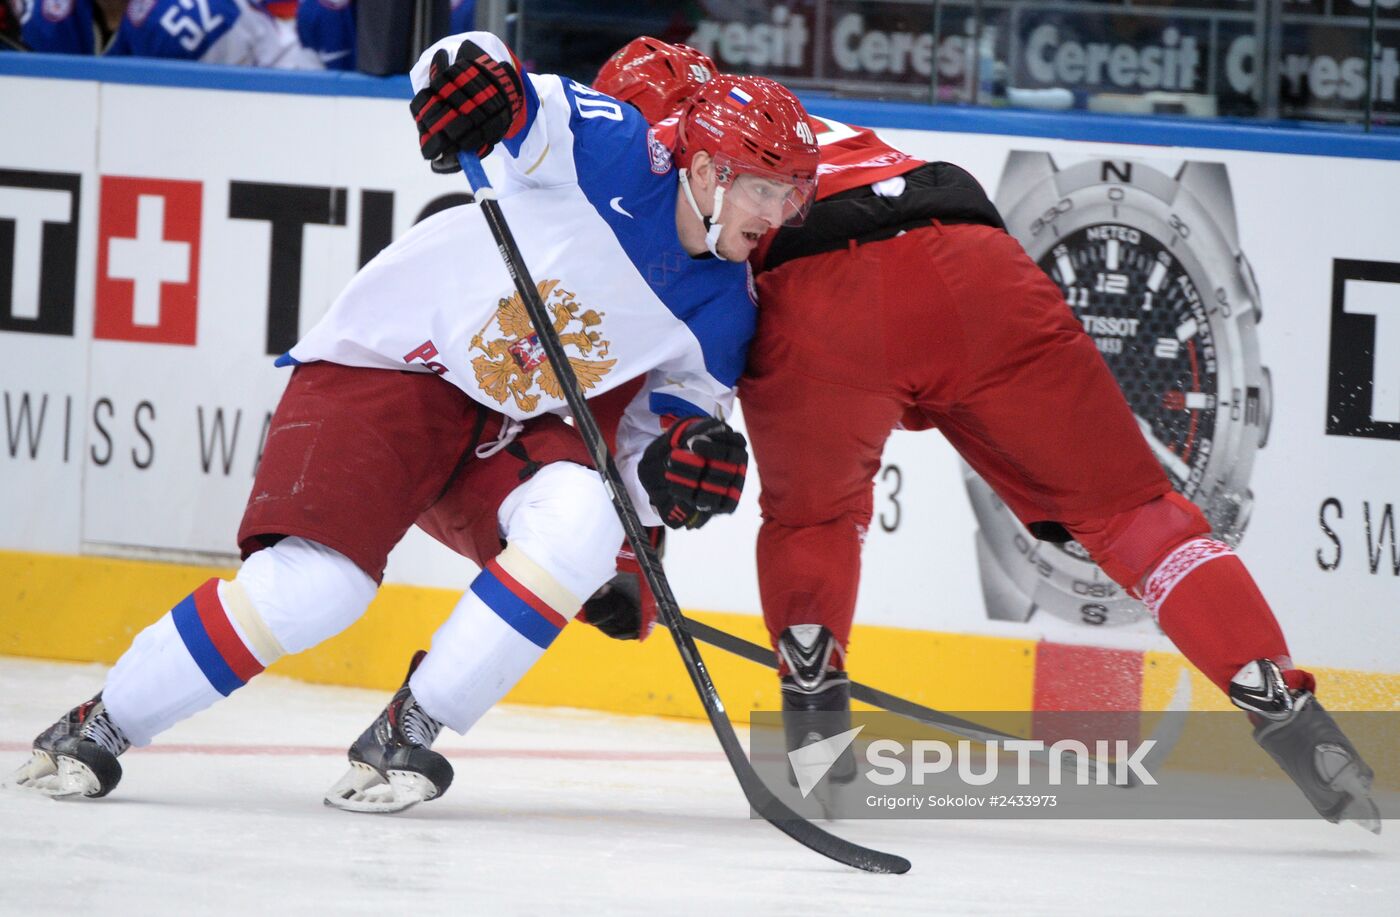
{"points": [[526, 613], [215, 646]]}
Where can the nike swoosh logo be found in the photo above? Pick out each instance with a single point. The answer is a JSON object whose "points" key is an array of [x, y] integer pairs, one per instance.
{"points": [[327, 57], [616, 204]]}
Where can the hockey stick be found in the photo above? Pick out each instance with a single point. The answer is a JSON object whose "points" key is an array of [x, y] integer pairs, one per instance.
{"points": [[759, 796], [1164, 737], [863, 693]]}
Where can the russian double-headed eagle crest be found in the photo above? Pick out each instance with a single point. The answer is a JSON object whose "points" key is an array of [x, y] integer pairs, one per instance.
{"points": [[512, 365]]}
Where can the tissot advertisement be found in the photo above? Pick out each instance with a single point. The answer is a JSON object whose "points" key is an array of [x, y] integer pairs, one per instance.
{"points": [[1148, 256]]}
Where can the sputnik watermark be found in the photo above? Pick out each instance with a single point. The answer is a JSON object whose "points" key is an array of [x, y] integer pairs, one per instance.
{"points": [[1041, 764], [917, 802], [810, 763], [931, 756], [890, 762]]}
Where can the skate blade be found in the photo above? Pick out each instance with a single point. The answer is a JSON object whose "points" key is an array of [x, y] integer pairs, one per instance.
{"points": [[56, 779], [1360, 807], [75, 779], [362, 789], [1364, 813], [36, 773], [834, 798]]}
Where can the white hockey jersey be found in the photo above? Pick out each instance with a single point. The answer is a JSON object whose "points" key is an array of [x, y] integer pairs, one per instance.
{"points": [[590, 196]]}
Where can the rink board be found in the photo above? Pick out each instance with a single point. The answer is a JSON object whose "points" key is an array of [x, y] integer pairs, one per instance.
{"points": [[135, 393], [58, 599]]}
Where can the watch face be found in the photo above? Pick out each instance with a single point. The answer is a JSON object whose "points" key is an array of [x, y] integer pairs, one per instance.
{"points": [[1148, 262], [1146, 314]]}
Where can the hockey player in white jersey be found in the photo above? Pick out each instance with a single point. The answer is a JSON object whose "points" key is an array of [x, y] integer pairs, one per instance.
{"points": [[423, 397]]}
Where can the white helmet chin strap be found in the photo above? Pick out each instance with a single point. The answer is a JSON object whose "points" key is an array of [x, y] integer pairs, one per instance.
{"points": [[712, 223]]}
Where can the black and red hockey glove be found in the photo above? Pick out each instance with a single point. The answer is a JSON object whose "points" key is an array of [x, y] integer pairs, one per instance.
{"points": [[695, 470], [467, 106], [624, 607]]}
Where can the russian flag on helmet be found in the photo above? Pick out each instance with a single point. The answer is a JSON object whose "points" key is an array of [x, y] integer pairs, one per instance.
{"points": [[737, 98]]}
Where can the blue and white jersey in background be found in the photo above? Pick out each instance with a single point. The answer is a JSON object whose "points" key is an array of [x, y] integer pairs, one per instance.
{"points": [[58, 26], [238, 32], [463, 16], [591, 197], [327, 27]]}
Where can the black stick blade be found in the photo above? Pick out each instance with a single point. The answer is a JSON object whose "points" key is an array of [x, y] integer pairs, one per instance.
{"points": [[776, 813]]}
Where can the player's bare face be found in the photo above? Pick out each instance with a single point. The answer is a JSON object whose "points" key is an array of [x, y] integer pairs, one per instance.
{"points": [[739, 237], [753, 206], [750, 205]]}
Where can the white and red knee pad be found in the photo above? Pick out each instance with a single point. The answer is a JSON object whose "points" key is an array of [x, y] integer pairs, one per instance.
{"points": [[285, 598], [562, 533]]}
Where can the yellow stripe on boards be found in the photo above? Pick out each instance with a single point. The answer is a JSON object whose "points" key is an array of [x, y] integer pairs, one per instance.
{"points": [[89, 609]]}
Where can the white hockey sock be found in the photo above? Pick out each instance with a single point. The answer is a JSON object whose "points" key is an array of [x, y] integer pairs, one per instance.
{"points": [[563, 536], [500, 628], [155, 684], [284, 599]]}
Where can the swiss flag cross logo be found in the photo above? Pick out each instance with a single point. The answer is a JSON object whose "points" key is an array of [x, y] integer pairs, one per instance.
{"points": [[148, 260]]}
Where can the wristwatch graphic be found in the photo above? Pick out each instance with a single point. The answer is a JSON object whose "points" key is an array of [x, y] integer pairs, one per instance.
{"points": [[1149, 260]]}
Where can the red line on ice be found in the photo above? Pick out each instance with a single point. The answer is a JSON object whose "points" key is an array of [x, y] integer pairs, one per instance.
{"points": [[547, 754]]}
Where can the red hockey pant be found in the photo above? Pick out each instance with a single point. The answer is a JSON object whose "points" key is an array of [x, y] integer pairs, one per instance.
{"points": [[953, 327]]}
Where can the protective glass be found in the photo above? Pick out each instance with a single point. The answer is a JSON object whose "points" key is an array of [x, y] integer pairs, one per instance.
{"points": [[781, 199]]}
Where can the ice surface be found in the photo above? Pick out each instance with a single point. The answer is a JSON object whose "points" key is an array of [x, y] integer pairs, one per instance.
{"points": [[562, 811]]}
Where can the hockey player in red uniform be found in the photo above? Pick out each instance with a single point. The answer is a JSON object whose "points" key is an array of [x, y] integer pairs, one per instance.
{"points": [[422, 397], [902, 302]]}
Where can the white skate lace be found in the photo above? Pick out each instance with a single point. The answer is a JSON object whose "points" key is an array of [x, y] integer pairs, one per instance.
{"points": [[419, 727], [104, 732]]}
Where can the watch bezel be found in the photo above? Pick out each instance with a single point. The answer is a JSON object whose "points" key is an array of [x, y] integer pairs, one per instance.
{"points": [[1059, 203]]}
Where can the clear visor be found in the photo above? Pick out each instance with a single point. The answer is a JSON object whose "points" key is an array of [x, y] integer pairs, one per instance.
{"points": [[780, 199]]}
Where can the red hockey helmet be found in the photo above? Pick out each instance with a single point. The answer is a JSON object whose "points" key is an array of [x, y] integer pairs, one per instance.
{"points": [[752, 126], [653, 75]]}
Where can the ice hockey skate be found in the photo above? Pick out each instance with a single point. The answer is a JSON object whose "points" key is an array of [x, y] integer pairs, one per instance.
{"points": [[392, 764], [77, 756], [1302, 737], [816, 702]]}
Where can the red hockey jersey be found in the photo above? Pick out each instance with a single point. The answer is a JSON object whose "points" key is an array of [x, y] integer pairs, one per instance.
{"points": [[853, 157]]}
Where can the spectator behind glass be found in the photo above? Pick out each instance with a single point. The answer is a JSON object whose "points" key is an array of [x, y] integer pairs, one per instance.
{"points": [[70, 26], [238, 32], [214, 31], [9, 26], [327, 27]]}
